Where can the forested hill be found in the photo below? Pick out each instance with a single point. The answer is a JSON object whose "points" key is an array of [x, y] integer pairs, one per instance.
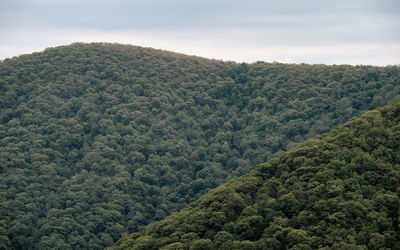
{"points": [[98, 140], [340, 190]]}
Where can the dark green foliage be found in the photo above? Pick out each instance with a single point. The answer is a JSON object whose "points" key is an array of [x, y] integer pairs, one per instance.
{"points": [[98, 140], [337, 191]]}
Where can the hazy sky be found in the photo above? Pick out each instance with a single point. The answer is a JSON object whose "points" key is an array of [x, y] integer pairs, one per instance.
{"points": [[310, 31]]}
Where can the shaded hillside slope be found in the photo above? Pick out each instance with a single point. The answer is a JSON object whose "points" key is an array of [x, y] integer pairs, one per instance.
{"points": [[98, 140], [340, 190]]}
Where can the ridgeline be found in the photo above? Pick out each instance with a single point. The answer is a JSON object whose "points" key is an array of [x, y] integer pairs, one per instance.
{"points": [[340, 190]]}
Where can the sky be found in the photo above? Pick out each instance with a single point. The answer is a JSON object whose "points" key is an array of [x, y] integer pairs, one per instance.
{"points": [[356, 32]]}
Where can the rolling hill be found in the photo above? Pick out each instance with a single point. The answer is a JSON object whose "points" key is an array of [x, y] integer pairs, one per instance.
{"points": [[98, 140]]}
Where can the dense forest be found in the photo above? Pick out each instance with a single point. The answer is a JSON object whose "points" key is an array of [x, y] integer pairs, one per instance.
{"points": [[340, 190], [99, 140]]}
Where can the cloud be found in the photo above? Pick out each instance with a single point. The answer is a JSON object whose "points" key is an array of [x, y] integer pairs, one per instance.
{"points": [[340, 31], [210, 45]]}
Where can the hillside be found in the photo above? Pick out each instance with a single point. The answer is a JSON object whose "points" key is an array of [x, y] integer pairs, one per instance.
{"points": [[98, 140], [340, 190]]}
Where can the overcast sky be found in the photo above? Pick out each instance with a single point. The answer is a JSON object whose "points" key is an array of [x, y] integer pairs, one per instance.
{"points": [[309, 31]]}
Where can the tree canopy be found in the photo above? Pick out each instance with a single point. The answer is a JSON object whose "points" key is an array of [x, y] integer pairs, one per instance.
{"points": [[340, 190], [98, 140]]}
